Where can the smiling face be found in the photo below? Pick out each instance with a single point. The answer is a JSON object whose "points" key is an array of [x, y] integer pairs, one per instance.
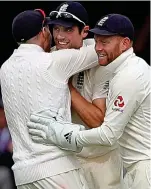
{"points": [[68, 37], [108, 48]]}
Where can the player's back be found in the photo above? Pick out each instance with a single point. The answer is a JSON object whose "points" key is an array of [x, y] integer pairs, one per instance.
{"points": [[27, 87]]}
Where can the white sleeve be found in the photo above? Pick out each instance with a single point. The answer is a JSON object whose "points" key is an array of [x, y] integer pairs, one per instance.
{"points": [[68, 62], [101, 83], [124, 101]]}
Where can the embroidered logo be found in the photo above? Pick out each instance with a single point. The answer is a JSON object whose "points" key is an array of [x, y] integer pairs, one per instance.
{"points": [[68, 137], [63, 8], [119, 104], [101, 22]]}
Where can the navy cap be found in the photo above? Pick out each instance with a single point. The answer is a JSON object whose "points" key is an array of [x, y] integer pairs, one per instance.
{"points": [[28, 24], [114, 24], [68, 14]]}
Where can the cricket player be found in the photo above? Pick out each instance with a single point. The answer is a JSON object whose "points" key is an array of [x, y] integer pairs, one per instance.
{"points": [[33, 80], [92, 84], [127, 117]]}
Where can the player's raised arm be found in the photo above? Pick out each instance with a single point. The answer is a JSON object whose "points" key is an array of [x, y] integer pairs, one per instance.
{"points": [[70, 61]]}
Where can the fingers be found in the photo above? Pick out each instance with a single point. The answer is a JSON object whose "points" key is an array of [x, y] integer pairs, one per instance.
{"points": [[47, 116], [37, 139], [48, 112], [60, 114], [37, 126], [37, 133], [39, 119]]}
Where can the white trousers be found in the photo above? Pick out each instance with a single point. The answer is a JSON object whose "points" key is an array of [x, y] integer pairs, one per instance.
{"points": [[69, 180], [104, 172], [138, 176]]}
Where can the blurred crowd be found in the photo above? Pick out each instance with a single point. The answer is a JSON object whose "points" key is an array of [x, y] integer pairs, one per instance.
{"points": [[6, 161]]}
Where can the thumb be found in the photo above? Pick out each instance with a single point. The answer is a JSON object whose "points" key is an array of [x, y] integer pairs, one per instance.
{"points": [[47, 112], [60, 114]]}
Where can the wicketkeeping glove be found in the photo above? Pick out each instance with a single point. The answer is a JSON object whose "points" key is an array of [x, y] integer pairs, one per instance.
{"points": [[53, 130]]}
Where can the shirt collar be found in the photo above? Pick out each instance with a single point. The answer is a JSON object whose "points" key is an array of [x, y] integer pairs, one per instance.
{"points": [[120, 61], [29, 48]]}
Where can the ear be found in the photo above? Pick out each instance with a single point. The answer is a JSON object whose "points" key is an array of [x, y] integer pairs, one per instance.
{"points": [[44, 31], [85, 31], [125, 43]]}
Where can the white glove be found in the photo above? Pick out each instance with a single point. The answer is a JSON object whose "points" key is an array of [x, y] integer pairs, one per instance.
{"points": [[54, 131]]}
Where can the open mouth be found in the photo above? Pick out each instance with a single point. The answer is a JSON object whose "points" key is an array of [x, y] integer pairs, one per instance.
{"points": [[101, 55], [62, 43]]}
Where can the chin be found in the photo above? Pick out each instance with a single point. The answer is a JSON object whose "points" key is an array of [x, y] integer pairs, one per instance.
{"points": [[103, 63], [62, 47]]}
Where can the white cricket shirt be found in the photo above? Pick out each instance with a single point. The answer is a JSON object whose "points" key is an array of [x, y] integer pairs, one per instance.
{"points": [[127, 118]]}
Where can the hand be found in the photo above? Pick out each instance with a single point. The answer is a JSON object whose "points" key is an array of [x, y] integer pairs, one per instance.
{"points": [[49, 131], [50, 112]]}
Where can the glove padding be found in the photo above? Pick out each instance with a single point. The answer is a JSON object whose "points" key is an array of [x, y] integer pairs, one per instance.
{"points": [[53, 130]]}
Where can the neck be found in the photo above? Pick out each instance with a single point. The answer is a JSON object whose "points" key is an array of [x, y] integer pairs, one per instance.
{"points": [[35, 41]]}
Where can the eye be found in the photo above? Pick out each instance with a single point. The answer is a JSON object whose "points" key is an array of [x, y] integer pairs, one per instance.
{"points": [[69, 29], [55, 28], [104, 42]]}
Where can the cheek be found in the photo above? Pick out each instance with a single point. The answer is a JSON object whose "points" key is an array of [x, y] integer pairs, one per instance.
{"points": [[71, 39], [115, 52], [77, 39]]}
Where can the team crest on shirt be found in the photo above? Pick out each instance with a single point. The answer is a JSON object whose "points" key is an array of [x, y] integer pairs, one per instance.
{"points": [[119, 104]]}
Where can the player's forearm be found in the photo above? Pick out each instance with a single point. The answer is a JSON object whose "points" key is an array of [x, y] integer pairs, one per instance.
{"points": [[104, 135], [89, 113]]}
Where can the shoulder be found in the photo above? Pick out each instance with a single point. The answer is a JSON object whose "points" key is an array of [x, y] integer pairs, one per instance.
{"points": [[131, 79], [6, 64], [135, 70], [89, 41]]}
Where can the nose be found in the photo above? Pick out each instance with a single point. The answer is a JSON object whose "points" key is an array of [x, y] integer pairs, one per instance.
{"points": [[98, 46], [60, 35]]}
